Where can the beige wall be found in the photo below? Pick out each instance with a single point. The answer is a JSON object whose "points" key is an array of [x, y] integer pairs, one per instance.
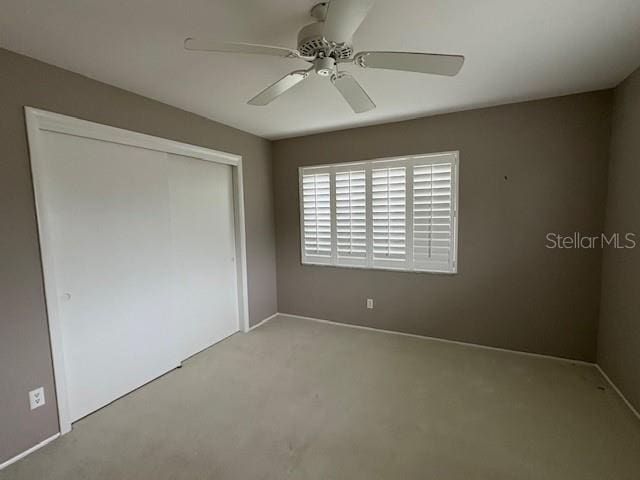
{"points": [[619, 334], [525, 170], [25, 360]]}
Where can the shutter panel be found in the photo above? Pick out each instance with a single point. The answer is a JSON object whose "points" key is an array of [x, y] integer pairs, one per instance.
{"points": [[388, 202], [316, 217], [351, 223], [396, 213], [433, 214]]}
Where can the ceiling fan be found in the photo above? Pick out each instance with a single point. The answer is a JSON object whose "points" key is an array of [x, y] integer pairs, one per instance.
{"points": [[326, 44]]}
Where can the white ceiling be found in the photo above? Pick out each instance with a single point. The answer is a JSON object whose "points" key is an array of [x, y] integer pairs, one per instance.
{"points": [[515, 50]]}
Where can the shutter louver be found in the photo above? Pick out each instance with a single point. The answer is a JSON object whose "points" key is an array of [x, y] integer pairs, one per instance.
{"points": [[388, 200], [316, 193], [351, 217], [433, 220]]}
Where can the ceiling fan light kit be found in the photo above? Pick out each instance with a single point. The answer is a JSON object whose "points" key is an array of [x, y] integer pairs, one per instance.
{"points": [[326, 44], [324, 66]]}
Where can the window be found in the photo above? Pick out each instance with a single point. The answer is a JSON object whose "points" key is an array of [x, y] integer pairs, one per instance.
{"points": [[398, 213]]}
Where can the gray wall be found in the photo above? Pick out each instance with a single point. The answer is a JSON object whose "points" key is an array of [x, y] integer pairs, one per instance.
{"points": [[25, 359], [619, 334], [525, 169]]}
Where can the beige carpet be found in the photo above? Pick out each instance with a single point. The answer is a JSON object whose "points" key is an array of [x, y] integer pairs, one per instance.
{"points": [[296, 399]]}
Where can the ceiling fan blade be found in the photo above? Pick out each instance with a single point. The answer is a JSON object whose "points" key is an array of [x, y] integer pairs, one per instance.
{"points": [[343, 19], [432, 63], [272, 92], [235, 47], [353, 93]]}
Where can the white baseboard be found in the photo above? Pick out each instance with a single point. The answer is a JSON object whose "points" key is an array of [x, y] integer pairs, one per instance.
{"points": [[474, 345], [380, 330], [263, 321], [27, 452], [50, 439], [436, 339], [617, 390]]}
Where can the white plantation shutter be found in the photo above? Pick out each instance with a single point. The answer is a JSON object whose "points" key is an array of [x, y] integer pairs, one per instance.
{"points": [[433, 213], [391, 214], [351, 222], [316, 217]]}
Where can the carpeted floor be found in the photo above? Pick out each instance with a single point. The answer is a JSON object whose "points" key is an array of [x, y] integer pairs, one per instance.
{"points": [[296, 399]]}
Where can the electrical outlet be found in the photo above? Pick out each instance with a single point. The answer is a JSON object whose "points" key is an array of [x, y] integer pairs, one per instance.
{"points": [[370, 303], [36, 398]]}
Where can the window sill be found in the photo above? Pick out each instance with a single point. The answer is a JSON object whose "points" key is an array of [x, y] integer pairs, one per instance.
{"points": [[383, 269]]}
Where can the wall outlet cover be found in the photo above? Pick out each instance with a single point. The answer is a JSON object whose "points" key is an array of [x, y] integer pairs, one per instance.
{"points": [[36, 398], [370, 303]]}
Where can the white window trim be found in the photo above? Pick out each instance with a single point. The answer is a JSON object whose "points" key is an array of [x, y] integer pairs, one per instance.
{"points": [[367, 262]]}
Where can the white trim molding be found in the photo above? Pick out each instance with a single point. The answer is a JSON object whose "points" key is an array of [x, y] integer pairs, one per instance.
{"points": [[262, 322], [618, 391], [436, 339], [58, 123], [474, 345], [29, 451], [39, 121], [464, 344]]}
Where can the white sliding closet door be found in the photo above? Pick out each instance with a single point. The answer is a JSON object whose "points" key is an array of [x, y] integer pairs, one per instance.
{"points": [[111, 242], [143, 252], [205, 294]]}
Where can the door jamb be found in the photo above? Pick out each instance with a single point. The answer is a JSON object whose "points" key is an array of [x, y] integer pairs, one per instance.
{"points": [[41, 120]]}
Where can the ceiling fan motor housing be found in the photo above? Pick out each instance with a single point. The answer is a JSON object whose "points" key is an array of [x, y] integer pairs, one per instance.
{"points": [[311, 42]]}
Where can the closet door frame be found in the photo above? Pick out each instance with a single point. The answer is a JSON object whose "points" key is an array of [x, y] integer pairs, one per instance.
{"points": [[39, 121]]}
